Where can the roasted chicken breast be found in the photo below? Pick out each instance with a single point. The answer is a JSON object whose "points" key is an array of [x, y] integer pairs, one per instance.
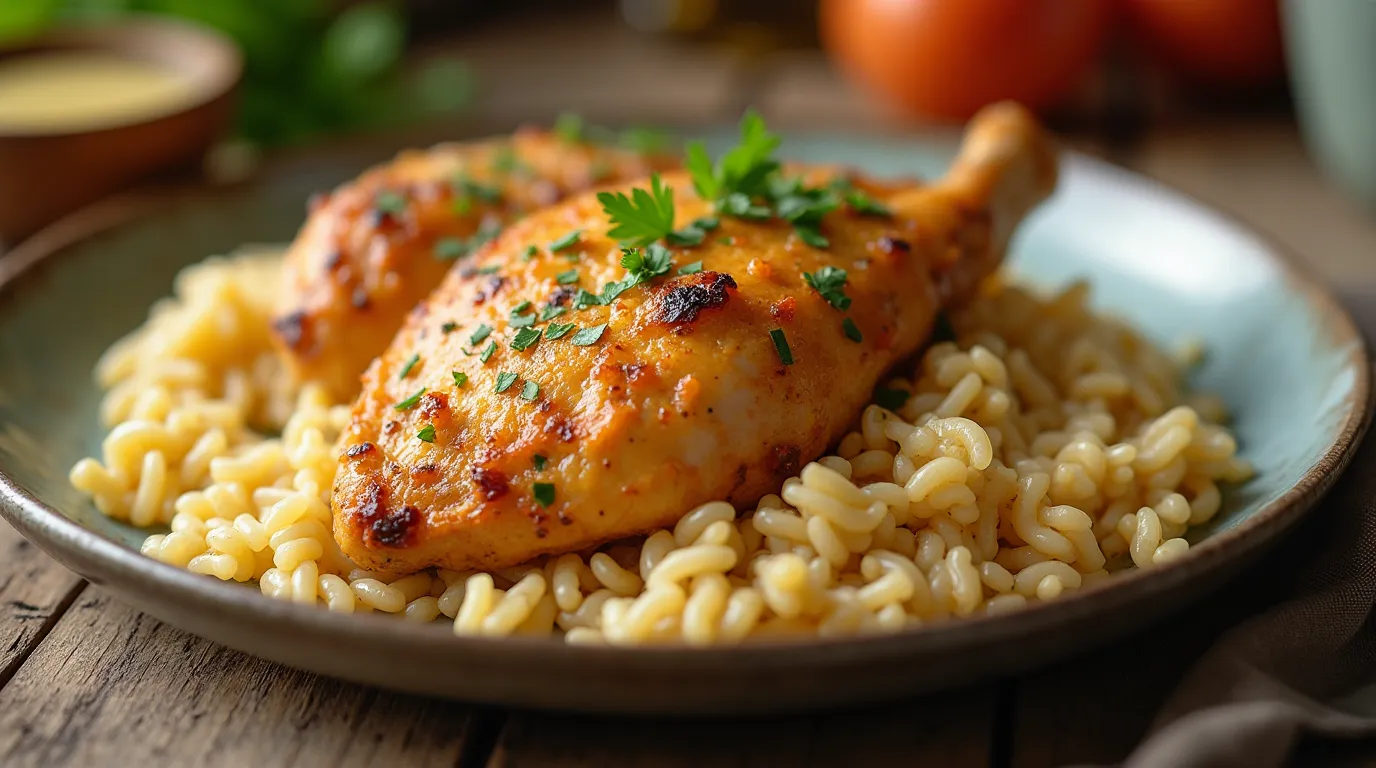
{"points": [[478, 443], [375, 247]]}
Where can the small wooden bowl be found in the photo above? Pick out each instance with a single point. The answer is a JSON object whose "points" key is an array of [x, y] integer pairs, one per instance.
{"points": [[44, 175]]}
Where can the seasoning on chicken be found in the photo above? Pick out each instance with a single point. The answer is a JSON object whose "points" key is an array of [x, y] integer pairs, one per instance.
{"points": [[372, 249], [685, 340]]}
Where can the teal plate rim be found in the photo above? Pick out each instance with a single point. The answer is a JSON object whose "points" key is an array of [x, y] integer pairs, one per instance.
{"points": [[766, 676]]}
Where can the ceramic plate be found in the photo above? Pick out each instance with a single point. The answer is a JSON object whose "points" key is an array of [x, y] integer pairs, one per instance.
{"points": [[1282, 353]]}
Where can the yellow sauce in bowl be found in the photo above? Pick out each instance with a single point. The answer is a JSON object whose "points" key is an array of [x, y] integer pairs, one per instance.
{"points": [[75, 90]]}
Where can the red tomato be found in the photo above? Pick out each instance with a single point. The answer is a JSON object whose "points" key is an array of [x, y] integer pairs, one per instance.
{"points": [[1223, 42], [948, 58]]}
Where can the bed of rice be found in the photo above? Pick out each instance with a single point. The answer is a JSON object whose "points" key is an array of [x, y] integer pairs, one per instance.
{"points": [[1044, 449]]}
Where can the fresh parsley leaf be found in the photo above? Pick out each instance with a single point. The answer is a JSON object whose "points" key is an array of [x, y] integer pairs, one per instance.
{"points": [[891, 399], [406, 369], [707, 223], [688, 236], [781, 346], [463, 205], [726, 240], [449, 327], [569, 128], [410, 402], [466, 188], [543, 493], [647, 263], [488, 352], [531, 253], [614, 289], [741, 207], [567, 278], [806, 206], [522, 321], [643, 141], [812, 237], [558, 331], [588, 336], [851, 330], [451, 249], [565, 242], [390, 203], [539, 462], [490, 269], [642, 218], [525, 338], [830, 282], [519, 308], [550, 312], [865, 205], [426, 434], [506, 161], [460, 378], [504, 381], [744, 170], [585, 299], [530, 391], [481, 333], [690, 269]]}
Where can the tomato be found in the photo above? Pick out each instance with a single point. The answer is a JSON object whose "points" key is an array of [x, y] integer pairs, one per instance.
{"points": [[947, 58], [1222, 42]]}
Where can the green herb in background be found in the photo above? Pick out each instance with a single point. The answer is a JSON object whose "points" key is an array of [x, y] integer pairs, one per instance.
{"points": [[309, 67]]}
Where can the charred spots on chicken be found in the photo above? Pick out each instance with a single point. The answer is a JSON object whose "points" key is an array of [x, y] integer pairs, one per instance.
{"points": [[784, 460], [396, 529], [362, 449], [494, 284], [492, 483], [894, 245], [293, 329], [391, 427], [561, 296], [681, 299], [433, 404]]}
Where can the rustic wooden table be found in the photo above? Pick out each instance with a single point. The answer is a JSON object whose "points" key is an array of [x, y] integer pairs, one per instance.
{"points": [[85, 680]]}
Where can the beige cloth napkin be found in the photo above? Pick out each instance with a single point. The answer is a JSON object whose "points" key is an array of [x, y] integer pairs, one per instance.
{"points": [[1269, 692]]}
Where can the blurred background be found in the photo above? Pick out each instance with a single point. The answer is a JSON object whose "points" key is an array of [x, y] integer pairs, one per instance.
{"points": [[1256, 105]]}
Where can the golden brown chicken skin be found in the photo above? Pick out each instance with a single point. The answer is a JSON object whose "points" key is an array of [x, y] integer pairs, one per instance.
{"points": [[375, 247], [684, 397]]}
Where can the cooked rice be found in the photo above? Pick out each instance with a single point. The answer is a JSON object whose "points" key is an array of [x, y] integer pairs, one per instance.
{"points": [[1043, 449]]}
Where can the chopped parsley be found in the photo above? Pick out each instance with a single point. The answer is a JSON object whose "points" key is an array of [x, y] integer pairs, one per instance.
{"points": [[851, 330], [460, 378], [550, 312], [558, 331], [690, 269], [643, 141], [569, 128], [426, 434], [585, 299], [522, 321], [830, 282], [483, 332], [390, 203], [525, 338], [588, 336], [567, 278], [804, 209], [531, 252], [506, 161], [648, 263], [890, 399], [642, 218], [743, 170], [449, 327], [740, 206], [450, 249], [781, 346], [530, 391], [504, 381], [539, 462], [544, 493], [726, 240], [566, 242], [865, 205], [406, 368], [490, 269], [488, 352], [519, 308], [410, 402], [467, 189]]}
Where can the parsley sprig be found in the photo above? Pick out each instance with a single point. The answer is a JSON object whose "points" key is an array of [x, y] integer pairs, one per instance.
{"points": [[830, 282], [642, 218], [745, 170]]}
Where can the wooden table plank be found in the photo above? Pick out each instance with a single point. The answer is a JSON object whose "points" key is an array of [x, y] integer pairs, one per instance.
{"points": [[953, 729], [34, 592], [112, 686]]}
